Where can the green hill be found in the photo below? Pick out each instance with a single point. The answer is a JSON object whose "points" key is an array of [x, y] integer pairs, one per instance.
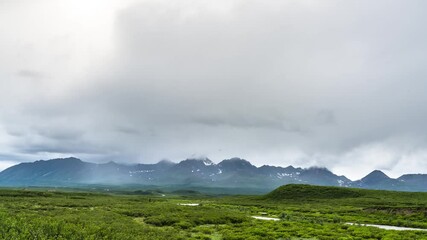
{"points": [[303, 191]]}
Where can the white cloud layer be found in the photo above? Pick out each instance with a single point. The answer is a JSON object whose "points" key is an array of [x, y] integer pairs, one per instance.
{"points": [[328, 83]]}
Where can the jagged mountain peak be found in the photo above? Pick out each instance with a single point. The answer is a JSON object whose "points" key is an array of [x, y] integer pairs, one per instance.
{"points": [[236, 161], [375, 175], [290, 167], [312, 171], [237, 165], [197, 161]]}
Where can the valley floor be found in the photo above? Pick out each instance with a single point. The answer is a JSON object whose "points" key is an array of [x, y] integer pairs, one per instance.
{"points": [[47, 214]]}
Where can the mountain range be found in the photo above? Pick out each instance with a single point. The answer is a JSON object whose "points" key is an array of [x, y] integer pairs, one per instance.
{"points": [[229, 173]]}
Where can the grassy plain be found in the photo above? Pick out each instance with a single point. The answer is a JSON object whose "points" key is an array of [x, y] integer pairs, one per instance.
{"points": [[305, 212]]}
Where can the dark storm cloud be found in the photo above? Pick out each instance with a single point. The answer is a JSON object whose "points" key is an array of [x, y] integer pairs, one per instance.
{"points": [[325, 83]]}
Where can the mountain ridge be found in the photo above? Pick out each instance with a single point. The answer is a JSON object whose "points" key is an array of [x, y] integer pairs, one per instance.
{"points": [[229, 173]]}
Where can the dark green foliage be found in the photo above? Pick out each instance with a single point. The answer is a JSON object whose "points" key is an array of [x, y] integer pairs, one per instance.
{"points": [[303, 192], [186, 192], [145, 192]]}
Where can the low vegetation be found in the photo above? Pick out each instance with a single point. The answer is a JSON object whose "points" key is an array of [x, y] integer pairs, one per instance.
{"points": [[304, 212], [301, 192]]}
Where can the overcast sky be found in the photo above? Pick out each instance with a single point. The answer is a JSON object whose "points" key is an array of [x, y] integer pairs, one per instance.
{"points": [[338, 84]]}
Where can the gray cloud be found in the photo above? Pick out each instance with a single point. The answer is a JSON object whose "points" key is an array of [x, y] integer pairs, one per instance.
{"points": [[30, 74], [334, 83]]}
